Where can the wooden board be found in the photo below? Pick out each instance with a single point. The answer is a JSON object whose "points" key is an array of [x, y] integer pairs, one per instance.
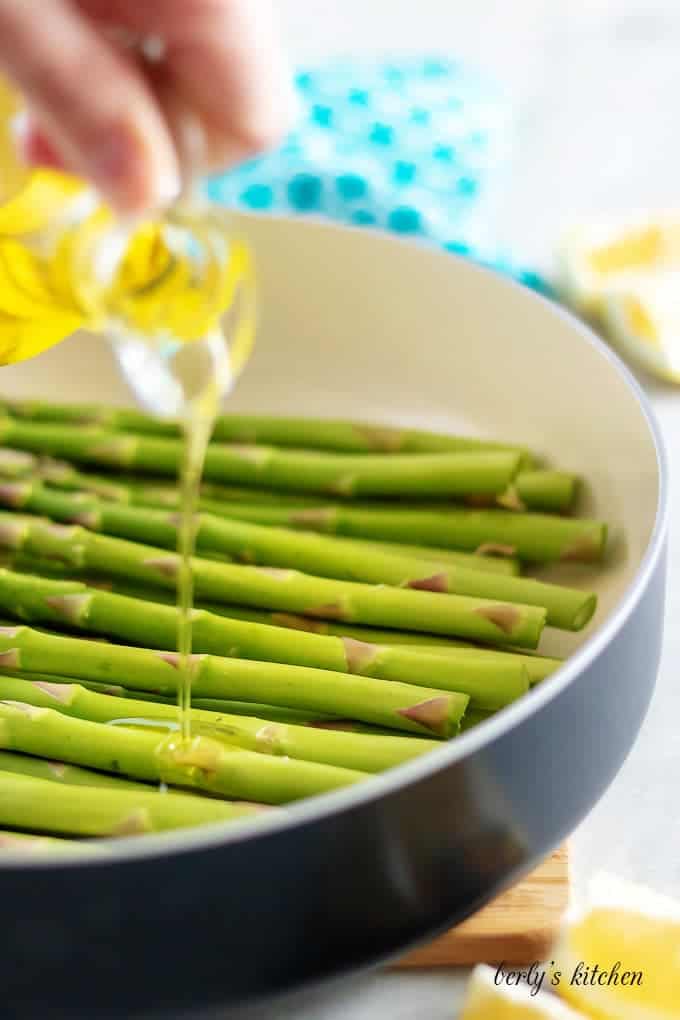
{"points": [[518, 928]]}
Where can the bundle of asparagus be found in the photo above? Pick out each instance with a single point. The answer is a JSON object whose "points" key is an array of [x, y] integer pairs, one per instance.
{"points": [[332, 640]]}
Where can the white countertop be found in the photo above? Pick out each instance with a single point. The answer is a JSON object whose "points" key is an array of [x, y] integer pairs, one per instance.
{"points": [[598, 82]]}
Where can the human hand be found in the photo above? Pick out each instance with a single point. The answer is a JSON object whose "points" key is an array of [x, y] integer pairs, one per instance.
{"points": [[138, 95]]}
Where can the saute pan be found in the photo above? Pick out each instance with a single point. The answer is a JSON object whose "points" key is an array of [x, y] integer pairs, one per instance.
{"points": [[359, 325]]}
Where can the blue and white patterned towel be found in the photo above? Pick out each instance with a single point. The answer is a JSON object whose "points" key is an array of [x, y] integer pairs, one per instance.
{"points": [[409, 146]]}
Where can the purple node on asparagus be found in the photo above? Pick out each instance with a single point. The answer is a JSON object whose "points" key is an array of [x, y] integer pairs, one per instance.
{"points": [[433, 714], [436, 582], [506, 617]]}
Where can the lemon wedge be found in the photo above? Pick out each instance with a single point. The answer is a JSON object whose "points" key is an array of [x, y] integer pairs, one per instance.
{"points": [[487, 1001], [619, 956], [596, 259], [643, 321]]}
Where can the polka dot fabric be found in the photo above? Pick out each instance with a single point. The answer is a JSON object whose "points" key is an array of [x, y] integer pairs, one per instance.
{"points": [[407, 147]]}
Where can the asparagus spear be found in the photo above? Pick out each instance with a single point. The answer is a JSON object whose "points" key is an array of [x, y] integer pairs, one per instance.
{"points": [[273, 588], [417, 709], [314, 433], [59, 771], [30, 803], [567, 608], [270, 713], [425, 474], [538, 666], [363, 752], [489, 681], [538, 489], [539, 538], [157, 497], [202, 763]]}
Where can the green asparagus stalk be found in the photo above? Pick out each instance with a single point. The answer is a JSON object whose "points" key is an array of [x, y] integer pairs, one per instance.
{"points": [[362, 752], [432, 644], [270, 713], [567, 608], [30, 803], [159, 498], [538, 667], [485, 620], [417, 709], [59, 771], [490, 682], [201, 763], [454, 474], [539, 538], [314, 433], [537, 489]]}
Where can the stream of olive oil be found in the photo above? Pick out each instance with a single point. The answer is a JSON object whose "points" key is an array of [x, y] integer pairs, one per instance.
{"points": [[203, 370]]}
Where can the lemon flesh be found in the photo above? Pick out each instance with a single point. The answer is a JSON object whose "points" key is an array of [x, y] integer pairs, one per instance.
{"points": [[625, 278], [632, 936]]}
